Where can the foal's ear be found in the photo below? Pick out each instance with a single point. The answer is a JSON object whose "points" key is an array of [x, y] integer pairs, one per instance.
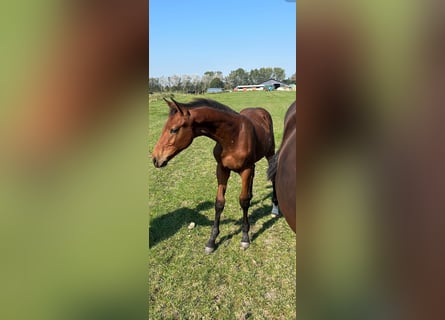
{"points": [[173, 105], [170, 104], [177, 105]]}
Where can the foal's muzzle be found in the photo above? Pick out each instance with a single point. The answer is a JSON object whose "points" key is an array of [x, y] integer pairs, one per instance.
{"points": [[159, 163]]}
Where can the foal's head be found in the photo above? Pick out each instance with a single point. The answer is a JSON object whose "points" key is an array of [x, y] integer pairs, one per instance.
{"points": [[176, 135]]}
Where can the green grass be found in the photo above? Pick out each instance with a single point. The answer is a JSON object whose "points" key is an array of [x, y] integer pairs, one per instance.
{"points": [[184, 282]]}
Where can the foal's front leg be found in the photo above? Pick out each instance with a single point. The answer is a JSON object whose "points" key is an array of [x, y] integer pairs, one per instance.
{"points": [[244, 200], [222, 175]]}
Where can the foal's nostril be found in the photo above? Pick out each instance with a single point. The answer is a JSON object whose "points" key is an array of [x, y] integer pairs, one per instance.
{"points": [[159, 163]]}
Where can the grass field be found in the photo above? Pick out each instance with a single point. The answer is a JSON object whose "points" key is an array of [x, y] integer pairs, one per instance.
{"points": [[184, 282]]}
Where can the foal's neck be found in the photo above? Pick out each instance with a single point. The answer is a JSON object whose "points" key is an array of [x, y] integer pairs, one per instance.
{"points": [[217, 125]]}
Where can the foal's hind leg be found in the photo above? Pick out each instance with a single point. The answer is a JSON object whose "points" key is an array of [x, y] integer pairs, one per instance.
{"points": [[244, 200], [275, 209], [222, 175], [273, 163]]}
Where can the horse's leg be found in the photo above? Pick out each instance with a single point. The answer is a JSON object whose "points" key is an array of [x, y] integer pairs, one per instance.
{"points": [[275, 210], [222, 175], [273, 161], [244, 200]]}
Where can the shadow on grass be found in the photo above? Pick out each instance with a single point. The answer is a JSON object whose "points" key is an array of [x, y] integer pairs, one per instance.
{"points": [[167, 225]]}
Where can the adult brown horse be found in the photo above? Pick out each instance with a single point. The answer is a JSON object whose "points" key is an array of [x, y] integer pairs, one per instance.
{"points": [[283, 169], [241, 140]]}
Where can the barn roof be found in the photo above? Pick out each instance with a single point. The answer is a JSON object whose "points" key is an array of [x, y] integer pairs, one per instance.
{"points": [[273, 82]]}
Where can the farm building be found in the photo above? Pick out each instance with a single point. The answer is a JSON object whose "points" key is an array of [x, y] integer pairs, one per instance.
{"points": [[215, 90], [273, 84], [268, 85], [249, 87]]}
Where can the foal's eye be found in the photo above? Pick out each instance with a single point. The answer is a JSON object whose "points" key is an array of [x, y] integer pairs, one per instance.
{"points": [[174, 130]]}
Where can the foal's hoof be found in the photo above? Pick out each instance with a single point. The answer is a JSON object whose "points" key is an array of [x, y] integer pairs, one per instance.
{"points": [[244, 245], [275, 211], [209, 250]]}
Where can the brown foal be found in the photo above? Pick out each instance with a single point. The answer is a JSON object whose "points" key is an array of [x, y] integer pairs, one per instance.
{"points": [[241, 140]]}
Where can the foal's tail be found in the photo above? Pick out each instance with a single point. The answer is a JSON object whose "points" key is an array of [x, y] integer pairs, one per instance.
{"points": [[273, 165]]}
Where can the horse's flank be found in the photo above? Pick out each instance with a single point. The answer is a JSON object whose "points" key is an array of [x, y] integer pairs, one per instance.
{"points": [[282, 169]]}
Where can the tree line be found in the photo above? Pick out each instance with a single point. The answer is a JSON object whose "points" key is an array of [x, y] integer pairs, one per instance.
{"points": [[216, 79]]}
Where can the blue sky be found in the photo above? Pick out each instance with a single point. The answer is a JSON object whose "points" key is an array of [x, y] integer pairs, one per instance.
{"points": [[194, 36]]}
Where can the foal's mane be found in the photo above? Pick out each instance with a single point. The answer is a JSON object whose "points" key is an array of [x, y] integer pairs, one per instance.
{"points": [[201, 102]]}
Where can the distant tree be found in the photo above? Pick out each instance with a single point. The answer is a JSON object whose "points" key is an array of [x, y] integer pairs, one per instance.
{"points": [[154, 85], [195, 83], [163, 81], [286, 81], [216, 83], [227, 85], [254, 75], [206, 78], [201, 87], [257, 76], [237, 77], [215, 79], [278, 74], [219, 74], [185, 83], [290, 80], [175, 82], [209, 74], [260, 75]]}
